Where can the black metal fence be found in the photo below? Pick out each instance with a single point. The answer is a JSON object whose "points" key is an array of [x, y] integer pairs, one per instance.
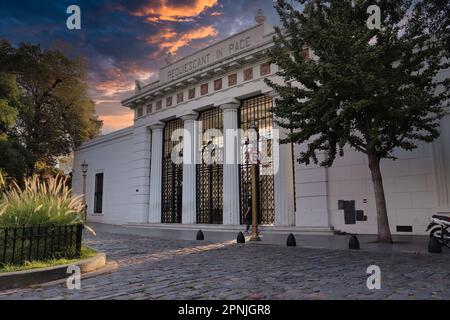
{"points": [[21, 244]]}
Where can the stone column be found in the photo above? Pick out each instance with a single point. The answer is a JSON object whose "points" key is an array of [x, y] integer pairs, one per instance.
{"points": [[231, 208], [140, 174], [189, 214], [283, 177], [156, 173]]}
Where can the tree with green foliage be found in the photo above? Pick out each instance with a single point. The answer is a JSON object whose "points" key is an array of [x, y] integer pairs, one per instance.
{"points": [[9, 93], [373, 90], [13, 157], [56, 113]]}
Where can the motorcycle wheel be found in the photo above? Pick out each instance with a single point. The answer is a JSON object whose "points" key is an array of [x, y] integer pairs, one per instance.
{"points": [[437, 234]]}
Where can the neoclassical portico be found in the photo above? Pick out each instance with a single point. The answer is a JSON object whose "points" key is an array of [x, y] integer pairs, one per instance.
{"points": [[229, 79], [231, 183]]}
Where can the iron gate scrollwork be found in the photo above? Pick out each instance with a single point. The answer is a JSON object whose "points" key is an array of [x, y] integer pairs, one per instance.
{"points": [[210, 170], [172, 176], [257, 110]]}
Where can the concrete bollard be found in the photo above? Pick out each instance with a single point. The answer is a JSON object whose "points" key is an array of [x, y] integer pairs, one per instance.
{"points": [[353, 243], [291, 242], [240, 238], [200, 235]]}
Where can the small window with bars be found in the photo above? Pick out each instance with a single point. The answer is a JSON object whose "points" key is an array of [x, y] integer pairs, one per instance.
{"points": [[204, 89], [217, 84], [248, 74], [139, 112], [180, 97], [169, 102], [191, 93], [232, 79], [265, 69]]}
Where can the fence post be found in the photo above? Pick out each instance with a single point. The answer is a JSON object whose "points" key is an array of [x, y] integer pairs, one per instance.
{"points": [[5, 244], [14, 245], [22, 258], [80, 228], [30, 249], [38, 240]]}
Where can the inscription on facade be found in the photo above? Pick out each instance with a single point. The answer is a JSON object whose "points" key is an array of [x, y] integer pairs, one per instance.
{"points": [[210, 55]]}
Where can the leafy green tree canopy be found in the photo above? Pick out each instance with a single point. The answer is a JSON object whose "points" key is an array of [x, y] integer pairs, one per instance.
{"points": [[9, 93], [374, 90], [55, 114], [13, 159]]}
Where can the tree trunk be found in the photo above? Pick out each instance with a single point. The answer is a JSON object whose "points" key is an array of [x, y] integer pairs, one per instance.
{"points": [[384, 233]]}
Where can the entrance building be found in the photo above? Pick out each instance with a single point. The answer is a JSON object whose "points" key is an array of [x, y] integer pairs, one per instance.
{"points": [[171, 168]]}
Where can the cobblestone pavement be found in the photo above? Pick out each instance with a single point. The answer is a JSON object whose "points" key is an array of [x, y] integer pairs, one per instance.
{"points": [[150, 268]]}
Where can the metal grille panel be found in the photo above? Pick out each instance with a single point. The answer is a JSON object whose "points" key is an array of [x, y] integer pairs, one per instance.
{"points": [[210, 171], [257, 110], [172, 177]]}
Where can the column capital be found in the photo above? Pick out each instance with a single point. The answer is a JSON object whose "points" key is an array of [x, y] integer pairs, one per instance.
{"points": [[156, 126], [232, 104], [192, 115]]}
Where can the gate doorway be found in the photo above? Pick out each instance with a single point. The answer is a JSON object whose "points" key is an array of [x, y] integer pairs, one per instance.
{"points": [[172, 176], [210, 171], [257, 110]]}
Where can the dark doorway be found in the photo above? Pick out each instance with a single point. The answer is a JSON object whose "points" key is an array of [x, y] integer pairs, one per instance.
{"points": [[98, 193]]}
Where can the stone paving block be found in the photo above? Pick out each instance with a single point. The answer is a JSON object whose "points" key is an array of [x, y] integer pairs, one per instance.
{"points": [[150, 268]]}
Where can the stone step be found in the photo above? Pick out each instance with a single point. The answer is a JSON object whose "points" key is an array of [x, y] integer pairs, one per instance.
{"points": [[233, 229]]}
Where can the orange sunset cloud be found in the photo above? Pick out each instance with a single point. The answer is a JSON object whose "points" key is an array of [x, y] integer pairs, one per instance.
{"points": [[122, 82], [164, 11], [116, 122], [170, 41]]}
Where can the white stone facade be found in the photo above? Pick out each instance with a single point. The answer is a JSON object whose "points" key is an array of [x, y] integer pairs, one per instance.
{"points": [[417, 185]]}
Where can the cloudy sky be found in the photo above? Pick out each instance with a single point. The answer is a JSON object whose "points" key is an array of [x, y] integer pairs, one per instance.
{"points": [[127, 40]]}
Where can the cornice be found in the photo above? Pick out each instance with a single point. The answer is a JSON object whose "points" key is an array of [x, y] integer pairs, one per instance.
{"points": [[212, 71], [108, 137]]}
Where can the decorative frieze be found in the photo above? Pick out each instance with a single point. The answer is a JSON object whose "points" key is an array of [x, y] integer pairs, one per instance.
{"points": [[218, 84], [248, 74], [191, 94], [232, 79], [204, 89]]}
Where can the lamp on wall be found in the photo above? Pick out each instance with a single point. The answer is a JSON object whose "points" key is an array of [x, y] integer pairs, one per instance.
{"points": [[84, 169]]}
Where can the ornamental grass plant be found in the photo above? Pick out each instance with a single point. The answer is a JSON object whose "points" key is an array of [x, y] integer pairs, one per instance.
{"points": [[44, 202]]}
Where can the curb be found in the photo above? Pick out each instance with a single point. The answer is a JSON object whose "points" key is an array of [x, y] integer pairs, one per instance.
{"points": [[26, 278]]}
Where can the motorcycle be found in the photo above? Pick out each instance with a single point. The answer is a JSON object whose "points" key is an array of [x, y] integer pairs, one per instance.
{"points": [[439, 225]]}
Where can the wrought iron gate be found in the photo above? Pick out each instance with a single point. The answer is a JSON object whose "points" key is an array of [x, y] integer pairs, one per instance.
{"points": [[210, 171], [172, 177], [257, 110]]}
